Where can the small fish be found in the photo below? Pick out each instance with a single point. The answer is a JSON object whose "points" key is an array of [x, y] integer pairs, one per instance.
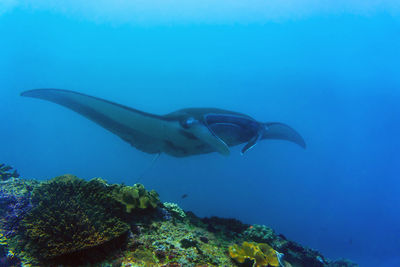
{"points": [[184, 196]]}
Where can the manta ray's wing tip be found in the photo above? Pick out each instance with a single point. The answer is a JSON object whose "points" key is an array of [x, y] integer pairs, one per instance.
{"points": [[32, 92], [25, 93], [301, 142]]}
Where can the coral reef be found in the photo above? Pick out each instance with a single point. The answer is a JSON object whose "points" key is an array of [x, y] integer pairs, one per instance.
{"points": [[5, 172], [15, 202], [260, 254], [225, 227], [293, 252], [68, 221], [174, 208], [136, 197], [175, 243], [12, 211], [260, 233], [342, 263], [70, 217]]}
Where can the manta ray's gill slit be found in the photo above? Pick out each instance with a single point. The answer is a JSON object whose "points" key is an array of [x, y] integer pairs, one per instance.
{"points": [[178, 149], [188, 135]]}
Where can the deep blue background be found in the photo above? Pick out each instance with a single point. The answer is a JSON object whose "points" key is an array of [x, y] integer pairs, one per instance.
{"points": [[336, 79]]}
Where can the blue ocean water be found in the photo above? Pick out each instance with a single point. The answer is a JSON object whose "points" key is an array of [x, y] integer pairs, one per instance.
{"points": [[334, 77]]}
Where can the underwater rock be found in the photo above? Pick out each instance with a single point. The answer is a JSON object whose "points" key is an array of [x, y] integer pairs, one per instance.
{"points": [[342, 263], [225, 226], [187, 243], [204, 239], [5, 172]]}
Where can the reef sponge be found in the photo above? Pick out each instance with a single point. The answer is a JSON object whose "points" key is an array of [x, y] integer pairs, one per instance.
{"points": [[70, 218], [260, 253], [136, 197]]}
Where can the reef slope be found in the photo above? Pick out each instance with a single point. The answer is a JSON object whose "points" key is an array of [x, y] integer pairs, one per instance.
{"points": [[68, 221]]}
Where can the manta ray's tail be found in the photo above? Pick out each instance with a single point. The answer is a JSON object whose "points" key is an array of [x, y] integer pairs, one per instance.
{"points": [[277, 130]]}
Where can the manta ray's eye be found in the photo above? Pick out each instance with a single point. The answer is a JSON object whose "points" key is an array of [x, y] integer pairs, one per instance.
{"points": [[186, 123]]}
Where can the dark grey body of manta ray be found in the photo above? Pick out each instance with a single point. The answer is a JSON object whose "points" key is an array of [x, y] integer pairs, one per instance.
{"points": [[181, 133]]}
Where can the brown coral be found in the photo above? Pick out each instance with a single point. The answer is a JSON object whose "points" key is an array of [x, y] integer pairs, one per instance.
{"points": [[71, 216]]}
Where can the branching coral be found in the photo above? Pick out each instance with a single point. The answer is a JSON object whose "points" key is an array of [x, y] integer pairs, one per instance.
{"points": [[260, 253], [70, 216], [136, 197]]}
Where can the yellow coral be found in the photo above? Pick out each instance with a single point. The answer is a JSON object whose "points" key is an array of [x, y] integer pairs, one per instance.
{"points": [[3, 240], [136, 196], [260, 253]]}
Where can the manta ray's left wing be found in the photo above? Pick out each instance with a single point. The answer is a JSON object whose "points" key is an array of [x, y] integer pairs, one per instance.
{"points": [[145, 131]]}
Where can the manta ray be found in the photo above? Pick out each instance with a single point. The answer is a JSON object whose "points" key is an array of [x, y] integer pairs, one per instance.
{"points": [[182, 133]]}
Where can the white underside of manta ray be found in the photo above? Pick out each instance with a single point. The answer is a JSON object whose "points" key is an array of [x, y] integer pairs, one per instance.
{"points": [[181, 133]]}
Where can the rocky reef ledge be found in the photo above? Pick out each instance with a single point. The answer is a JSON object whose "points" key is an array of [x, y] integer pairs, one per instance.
{"points": [[68, 221]]}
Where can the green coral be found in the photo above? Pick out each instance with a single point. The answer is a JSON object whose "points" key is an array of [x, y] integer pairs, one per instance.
{"points": [[174, 208], [70, 217], [136, 197]]}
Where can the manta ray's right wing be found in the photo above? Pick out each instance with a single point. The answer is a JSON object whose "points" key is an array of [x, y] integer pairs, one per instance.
{"points": [[142, 130]]}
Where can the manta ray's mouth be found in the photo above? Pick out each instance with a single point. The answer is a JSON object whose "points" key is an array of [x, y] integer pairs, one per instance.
{"points": [[234, 129], [233, 123]]}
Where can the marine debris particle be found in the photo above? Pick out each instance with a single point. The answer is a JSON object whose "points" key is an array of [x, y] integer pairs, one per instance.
{"points": [[76, 222]]}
